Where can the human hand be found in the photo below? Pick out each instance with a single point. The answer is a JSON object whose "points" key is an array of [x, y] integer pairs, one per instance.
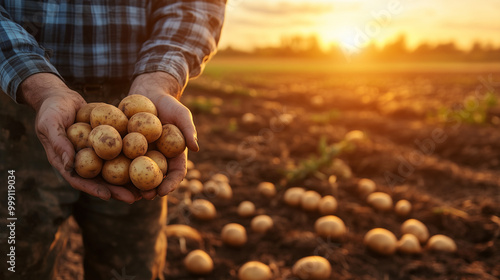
{"points": [[56, 106], [164, 91]]}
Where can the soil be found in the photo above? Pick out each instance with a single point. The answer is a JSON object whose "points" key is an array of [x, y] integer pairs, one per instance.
{"points": [[448, 170]]}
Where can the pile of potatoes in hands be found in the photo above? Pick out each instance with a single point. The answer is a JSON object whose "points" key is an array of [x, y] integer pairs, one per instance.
{"points": [[124, 144]]}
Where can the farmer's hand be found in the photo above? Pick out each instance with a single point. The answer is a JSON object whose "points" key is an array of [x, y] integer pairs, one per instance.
{"points": [[164, 91], [56, 106]]}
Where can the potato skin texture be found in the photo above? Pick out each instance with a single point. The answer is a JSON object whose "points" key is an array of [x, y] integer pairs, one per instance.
{"points": [[106, 141], [110, 115], [146, 124], [115, 171], [87, 164], [78, 135], [160, 160], [137, 103], [83, 115], [134, 145], [145, 173], [171, 142]]}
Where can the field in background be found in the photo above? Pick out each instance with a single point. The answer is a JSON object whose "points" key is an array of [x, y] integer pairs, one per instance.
{"points": [[431, 136]]}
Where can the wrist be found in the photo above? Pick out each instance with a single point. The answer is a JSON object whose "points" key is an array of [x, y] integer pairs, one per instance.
{"points": [[149, 84], [38, 87]]}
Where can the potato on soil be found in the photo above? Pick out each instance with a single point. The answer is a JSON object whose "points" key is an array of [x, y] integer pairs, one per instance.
{"points": [[78, 135], [310, 200], [409, 244], [137, 103], [195, 186], [330, 227], [267, 189], [160, 160], [146, 124], [327, 205], [116, 171], [261, 223], [254, 270], [203, 209], [416, 228], [193, 174], [134, 145], [110, 115], [87, 163], [381, 241], [380, 201], [312, 268], [83, 115], [441, 243], [246, 209], [171, 142], [366, 186], [106, 141], [145, 173], [402, 208], [198, 262], [234, 234], [293, 196]]}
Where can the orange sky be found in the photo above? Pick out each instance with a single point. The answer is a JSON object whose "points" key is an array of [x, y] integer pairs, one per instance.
{"points": [[355, 23]]}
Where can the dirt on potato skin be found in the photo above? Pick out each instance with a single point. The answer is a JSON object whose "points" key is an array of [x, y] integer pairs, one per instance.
{"points": [[454, 190]]}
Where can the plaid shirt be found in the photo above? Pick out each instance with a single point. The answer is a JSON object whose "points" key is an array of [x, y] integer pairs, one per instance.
{"points": [[86, 41]]}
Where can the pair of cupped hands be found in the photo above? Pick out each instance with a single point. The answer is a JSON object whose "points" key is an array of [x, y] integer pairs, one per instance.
{"points": [[56, 106]]}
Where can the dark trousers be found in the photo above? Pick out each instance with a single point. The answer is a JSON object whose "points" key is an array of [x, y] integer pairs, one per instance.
{"points": [[120, 240]]}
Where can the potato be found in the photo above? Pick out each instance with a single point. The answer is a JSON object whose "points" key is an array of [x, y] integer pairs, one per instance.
{"points": [[145, 173], [380, 201], [198, 262], [189, 165], [293, 196], [106, 141], [267, 189], [218, 189], [171, 142], [366, 186], [246, 209], [203, 209], [310, 200], [110, 115], [78, 135], [442, 243], [261, 223], [330, 227], [312, 268], [195, 186], [134, 145], [116, 171], [234, 235], [87, 163], [409, 244], [160, 160], [146, 124], [137, 103], [402, 208], [83, 115], [193, 174], [219, 177], [416, 228], [327, 205], [254, 270], [381, 241]]}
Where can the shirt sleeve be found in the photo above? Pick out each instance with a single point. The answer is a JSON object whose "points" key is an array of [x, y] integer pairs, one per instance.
{"points": [[183, 37], [20, 55]]}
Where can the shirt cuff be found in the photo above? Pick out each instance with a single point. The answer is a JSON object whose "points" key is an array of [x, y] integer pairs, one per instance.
{"points": [[16, 69], [171, 62]]}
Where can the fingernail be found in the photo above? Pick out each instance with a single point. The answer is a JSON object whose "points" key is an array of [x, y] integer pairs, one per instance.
{"points": [[196, 142]]}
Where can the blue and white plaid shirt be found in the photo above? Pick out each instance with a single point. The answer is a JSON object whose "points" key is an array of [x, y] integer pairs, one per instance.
{"points": [[86, 41]]}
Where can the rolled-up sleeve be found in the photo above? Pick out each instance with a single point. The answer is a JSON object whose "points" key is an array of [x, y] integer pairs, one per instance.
{"points": [[183, 37], [20, 55]]}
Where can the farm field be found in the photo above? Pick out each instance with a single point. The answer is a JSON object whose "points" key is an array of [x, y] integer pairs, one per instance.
{"points": [[431, 135]]}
